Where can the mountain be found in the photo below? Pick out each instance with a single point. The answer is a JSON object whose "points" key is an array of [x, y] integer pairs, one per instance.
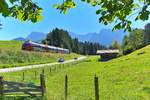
{"points": [[36, 36], [104, 37], [20, 39]]}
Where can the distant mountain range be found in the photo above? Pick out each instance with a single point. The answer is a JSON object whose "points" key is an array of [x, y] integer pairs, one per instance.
{"points": [[34, 36], [105, 36], [20, 39]]}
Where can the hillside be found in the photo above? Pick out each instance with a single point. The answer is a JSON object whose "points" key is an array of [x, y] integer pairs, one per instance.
{"points": [[10, 45], [124, 78], [11, 55]]}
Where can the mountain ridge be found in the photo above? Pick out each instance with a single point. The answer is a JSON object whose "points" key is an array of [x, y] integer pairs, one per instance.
{"points": [[104, 37]]}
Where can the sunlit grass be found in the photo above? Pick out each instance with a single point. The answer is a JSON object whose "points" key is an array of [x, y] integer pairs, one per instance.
{"points": [[11, 55], [124, 78]]}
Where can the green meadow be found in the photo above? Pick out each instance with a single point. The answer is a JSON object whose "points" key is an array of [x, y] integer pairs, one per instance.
{"points": [[11, 55], [15, 45], [123, 78]]}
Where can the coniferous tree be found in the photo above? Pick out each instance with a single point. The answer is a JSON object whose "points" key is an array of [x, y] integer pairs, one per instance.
{"points": [[61, 38]]}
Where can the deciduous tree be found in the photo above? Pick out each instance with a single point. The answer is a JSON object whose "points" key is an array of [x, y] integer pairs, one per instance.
{"points": [[147, 34], [121, 12], [134, 41]]}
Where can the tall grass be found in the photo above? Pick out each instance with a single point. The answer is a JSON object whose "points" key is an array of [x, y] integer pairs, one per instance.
{"points": [[13, 45], [13, 58], [11, 55], [10, 58]]}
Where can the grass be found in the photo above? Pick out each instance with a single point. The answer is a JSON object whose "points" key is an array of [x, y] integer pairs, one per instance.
{"points": [[11, 55], [15, 45], [124, 78]]}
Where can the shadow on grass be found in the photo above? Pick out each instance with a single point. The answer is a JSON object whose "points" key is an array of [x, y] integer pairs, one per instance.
{"points": [[146, 89], [21, 98], [21, 91]]}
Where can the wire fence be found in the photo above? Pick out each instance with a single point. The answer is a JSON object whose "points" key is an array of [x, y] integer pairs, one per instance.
{"points": [[58, 87]]}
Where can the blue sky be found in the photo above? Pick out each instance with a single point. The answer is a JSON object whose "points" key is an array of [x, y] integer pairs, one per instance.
{"points": [[81, 20]]}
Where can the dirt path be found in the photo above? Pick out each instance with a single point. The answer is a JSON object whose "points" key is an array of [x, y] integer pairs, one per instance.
{"points": [[5, 70]]}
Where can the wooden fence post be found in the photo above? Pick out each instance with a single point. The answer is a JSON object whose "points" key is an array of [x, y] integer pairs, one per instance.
{"points": [[43, 86], [43, 72], [23, 76], [96, 88], [1, 87], [66, 87]]}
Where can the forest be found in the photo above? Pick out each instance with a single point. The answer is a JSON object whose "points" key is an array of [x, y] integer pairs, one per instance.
{"points": [[136, 39], [61, 38]]}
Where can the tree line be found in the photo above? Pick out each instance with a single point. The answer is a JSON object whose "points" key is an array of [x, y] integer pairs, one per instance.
{"points": [[61, 38], [136, 39]]}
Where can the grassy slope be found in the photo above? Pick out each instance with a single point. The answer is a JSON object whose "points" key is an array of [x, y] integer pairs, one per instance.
{"points": [[10, 45], [124, 78], [11, 55]]}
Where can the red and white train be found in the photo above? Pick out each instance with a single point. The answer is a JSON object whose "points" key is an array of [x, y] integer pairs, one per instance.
{"points": [[32, 46]]}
